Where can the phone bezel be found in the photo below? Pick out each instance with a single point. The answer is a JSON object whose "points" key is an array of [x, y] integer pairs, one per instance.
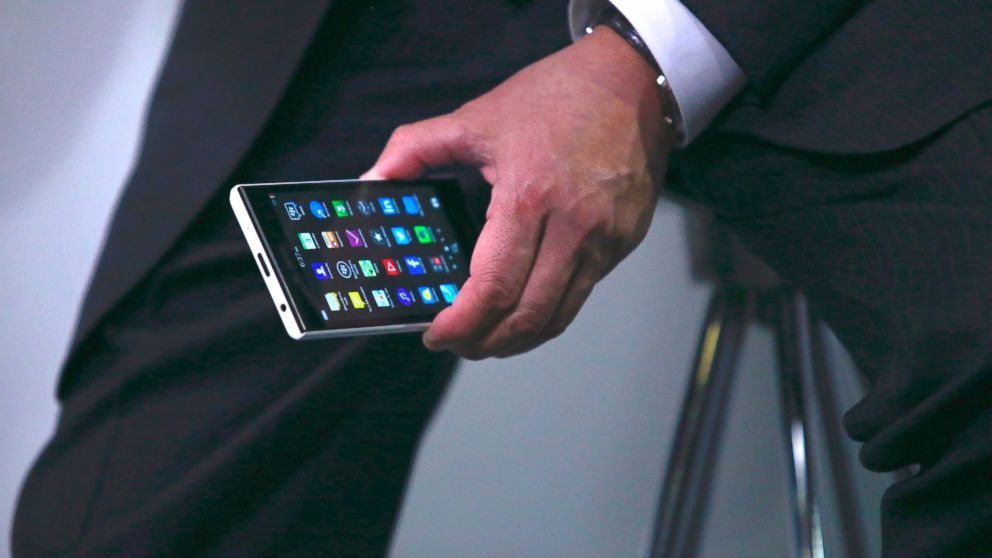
{"points": [[243, 197]]}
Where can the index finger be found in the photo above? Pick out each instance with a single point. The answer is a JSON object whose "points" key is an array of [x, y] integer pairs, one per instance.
{"points": [[414, 148]]}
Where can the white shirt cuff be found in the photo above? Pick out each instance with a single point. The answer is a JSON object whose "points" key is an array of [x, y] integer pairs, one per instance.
{"points": [[702, 75]]}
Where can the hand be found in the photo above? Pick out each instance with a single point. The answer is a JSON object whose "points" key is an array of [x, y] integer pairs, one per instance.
{"points": [[574, 146]]}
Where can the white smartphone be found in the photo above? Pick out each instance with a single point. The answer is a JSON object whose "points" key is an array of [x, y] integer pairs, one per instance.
{"points": [[353, 257]]}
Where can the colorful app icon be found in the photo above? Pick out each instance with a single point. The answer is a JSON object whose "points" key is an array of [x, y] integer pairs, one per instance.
{"points": [[388, 206], [309, 241], [341, 208], [401, 235], [423, 233], [411, 205], [345, 269], [438, 265], [378, 236], [368, 268], [319, 210], [293, 210], [414, 265], [333, 302], [355, 238], [381, 298], [357, 302], [321, 271], [390, 266], [448, 291], [404, 296], [365, 207], [427, 295], [331, 239]]}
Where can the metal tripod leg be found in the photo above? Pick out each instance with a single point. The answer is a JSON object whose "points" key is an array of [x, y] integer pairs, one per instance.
{"points": [[855, 540], [795, 363], [687, 482]]}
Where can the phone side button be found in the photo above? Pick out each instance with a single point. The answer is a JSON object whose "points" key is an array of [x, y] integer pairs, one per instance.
{"points": [[261, 262]]}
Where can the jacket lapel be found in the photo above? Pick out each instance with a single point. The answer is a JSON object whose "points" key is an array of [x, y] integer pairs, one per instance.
{"points": [[227, 68]]}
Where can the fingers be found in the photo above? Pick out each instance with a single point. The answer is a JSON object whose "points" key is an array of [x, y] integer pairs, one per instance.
{"points": [[554, 266], [503, 257], [579, 288], [532, 320], [413, 148]]}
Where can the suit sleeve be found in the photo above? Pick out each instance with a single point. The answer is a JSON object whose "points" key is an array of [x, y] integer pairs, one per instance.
{"points": [[768, 37]]}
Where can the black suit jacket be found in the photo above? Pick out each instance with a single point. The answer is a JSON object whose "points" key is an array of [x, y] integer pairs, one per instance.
{"points": [[852, 76], [180, 155]]}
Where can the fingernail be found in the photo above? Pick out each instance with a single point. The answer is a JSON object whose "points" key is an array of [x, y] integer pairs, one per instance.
{"points": [[371, 174], [428, 340]]}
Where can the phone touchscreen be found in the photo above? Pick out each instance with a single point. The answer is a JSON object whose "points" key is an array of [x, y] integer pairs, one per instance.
{"points": [[361, 254]]}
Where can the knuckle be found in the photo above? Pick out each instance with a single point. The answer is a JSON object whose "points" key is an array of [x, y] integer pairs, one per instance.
{"points": [[461, 130], [589, 217], [530, 201], [530, 194], [497, 293], [401, 134], [464, 128], [524, 323]]}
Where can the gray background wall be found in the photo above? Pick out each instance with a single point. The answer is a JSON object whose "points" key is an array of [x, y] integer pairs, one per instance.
{"points": [[556, 453]]}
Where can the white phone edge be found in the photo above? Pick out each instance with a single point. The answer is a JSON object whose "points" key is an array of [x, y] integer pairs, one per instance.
{"points": [[285, 310]]}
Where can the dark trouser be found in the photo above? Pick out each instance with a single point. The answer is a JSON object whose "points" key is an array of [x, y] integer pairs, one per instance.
{"points": [[196, 427], [894, 251]]}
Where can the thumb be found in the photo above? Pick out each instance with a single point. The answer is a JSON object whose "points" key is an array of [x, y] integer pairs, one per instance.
{"points": [[414, 148]]}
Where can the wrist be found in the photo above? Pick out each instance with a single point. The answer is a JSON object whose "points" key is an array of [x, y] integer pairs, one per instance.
{"points": [[631, 77]]}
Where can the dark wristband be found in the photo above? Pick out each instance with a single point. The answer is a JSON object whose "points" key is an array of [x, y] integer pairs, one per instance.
{"points": [[612, 18]]}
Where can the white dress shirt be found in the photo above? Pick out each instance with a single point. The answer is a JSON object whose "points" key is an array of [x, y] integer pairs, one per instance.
{"points": [[702, 75]]}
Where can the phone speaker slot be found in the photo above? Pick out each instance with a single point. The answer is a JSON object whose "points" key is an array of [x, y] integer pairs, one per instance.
{"points": [[261, 262]]}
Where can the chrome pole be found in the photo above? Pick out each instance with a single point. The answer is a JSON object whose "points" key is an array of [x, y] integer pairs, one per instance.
{"points": [[852, 525], [795, 362], [688, 477]]}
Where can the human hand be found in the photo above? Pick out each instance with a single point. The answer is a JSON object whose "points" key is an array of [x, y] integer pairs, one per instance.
{"points": [[574, 146]]}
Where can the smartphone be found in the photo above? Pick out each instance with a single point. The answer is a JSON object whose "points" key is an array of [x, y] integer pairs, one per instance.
{"points": [[357, 257]]}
